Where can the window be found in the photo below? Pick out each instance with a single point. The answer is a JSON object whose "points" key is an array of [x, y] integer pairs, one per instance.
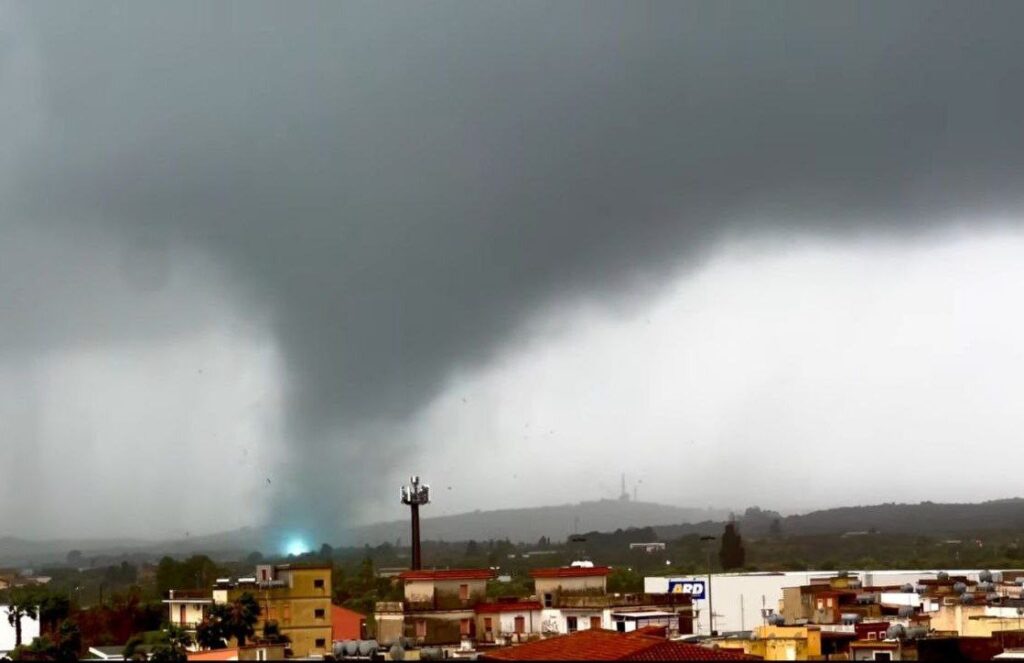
{"points": [[319, 613], [421, 628], [286, 614], [181, 614], [463, 592], [488, 625], [548, 601], [829, 603], [464, 627], [883, 656], [263, 574], [318, 583], [821, 604], [321, 643], [872, 635], [571, 624], [520, 624], [620, 627], [595, 621]]}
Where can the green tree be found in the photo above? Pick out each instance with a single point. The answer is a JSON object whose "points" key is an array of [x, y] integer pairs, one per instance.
{"points": [[775, 529], [326, 552], [731, 555], [210, 634], [69, 641], [53, 609], [23, 605], [272, 634], [172, 646], [238, 618]]}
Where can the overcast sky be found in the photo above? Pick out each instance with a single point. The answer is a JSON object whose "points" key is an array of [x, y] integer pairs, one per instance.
{"points": [[260, 262]]}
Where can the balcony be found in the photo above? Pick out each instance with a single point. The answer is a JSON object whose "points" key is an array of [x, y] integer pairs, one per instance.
{"points": [[442, 602], [587, 600]]}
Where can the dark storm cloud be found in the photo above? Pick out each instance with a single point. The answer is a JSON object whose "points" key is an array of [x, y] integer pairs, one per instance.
{"points": [[401, 185]]}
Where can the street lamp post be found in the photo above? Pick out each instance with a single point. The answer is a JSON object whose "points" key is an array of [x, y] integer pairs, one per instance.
{"points": [[711, 608]]}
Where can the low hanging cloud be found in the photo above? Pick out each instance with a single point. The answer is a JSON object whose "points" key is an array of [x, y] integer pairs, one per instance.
{"points": [[390, 192]]}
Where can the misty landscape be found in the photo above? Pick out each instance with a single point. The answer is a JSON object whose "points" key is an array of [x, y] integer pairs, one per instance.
{"points": [[655, 288]]}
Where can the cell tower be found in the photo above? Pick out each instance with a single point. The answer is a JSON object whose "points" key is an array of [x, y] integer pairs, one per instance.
{"points": [[624, 495], [414, 495]]}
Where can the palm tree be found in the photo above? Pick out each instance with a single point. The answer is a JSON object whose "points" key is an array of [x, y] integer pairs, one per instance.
{"points": [[22, 604], [238, 618]]}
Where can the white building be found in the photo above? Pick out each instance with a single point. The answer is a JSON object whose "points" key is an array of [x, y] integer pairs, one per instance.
{"points": [[29, 631], [739, 598]]}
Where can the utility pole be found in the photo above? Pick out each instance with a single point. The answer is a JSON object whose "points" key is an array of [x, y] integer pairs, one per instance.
{"points": [[711, 608], [414, 495]]}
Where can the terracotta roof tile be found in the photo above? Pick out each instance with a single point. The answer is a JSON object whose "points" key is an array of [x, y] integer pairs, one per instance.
{"points": [[603, 645], [682, 651]]}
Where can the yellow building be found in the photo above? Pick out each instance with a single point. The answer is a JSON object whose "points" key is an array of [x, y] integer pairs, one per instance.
{"points": [[780, 643], [297, 597]]}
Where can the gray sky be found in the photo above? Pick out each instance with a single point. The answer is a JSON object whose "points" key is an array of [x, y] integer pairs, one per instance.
{"points": [[259, 262]]}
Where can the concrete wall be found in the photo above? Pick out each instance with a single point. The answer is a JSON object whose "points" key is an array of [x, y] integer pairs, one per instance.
{"points": [[555, 585]]}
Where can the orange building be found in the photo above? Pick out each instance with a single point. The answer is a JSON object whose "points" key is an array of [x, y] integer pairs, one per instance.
{"points": [[347, 624]]}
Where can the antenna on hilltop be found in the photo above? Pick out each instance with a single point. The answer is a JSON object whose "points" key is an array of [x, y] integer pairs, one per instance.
{"points": [[624, 495]]}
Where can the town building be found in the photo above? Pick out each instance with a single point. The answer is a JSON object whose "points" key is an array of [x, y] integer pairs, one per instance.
{"points": [[295, 597], [187, 608], [260, 652], [439, 606], [744, 600], [347, 624], [576, 598], [508, 621]]}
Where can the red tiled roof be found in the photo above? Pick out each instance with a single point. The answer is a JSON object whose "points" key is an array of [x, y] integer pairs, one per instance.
{"points": [[604, 645], [510, 606], [589, 645], [657, 631], [571, 572], [682, 651], [448, 574]]}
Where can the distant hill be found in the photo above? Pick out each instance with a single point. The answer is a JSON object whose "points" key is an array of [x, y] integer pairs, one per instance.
{"points": [[557, 522], [926, 518], [528, 525]]}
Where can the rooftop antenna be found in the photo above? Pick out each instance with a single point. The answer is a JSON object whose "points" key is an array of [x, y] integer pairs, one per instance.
{"points": [[414, 495], [624, 495]]}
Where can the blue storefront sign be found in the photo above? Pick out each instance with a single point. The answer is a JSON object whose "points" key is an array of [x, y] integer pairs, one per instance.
{"points": [[695, 588]]}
